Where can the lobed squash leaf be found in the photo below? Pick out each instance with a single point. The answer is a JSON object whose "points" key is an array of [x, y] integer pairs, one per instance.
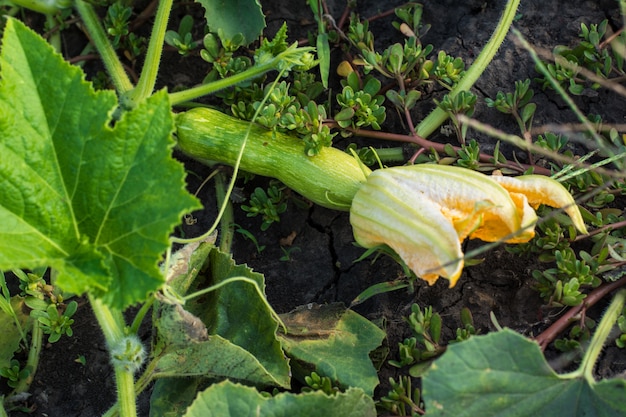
{"points": [[504, 374], [93, 198], [233, 400]]}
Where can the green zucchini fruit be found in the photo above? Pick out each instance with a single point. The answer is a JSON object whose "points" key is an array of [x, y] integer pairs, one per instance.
{"points": [[330, 179]]}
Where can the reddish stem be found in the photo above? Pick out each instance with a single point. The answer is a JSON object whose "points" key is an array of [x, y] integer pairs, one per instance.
{"points": [[439, 147], [602, 229], [566, 319]]}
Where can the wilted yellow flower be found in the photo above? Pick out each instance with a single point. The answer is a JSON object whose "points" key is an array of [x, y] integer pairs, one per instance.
{"points": [[424, 212]]}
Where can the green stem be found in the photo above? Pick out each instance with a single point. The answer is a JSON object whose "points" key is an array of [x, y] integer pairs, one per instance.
{"points": [[227, 220], [55, 37], [206, 89], [150, 69], [33, 357], [438, 115], [395, 154], [134, 327], [141, 384], [601, 334], [126, 397], [107, 53], [3, 412], [112, 324]]}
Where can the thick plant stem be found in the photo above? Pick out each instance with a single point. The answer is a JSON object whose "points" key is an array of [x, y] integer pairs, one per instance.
{"points": [[438, 116], [107, 53], [601, 334], [228, 219], [206, 89], [33, 357], [125, 381], [112, 324], [150, 69]]}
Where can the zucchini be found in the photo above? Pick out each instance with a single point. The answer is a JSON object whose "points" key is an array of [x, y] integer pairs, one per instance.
{"points": [[330, 179]]}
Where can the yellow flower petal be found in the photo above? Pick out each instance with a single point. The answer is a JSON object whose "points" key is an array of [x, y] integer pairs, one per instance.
{"points": [[543, 190], [529, 218], [388, 210], [465, 194]]}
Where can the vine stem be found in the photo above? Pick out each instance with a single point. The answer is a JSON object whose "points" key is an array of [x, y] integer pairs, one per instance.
{"points": [[206, 89], [601, 334], [438, 115], [599, 337], [33, 357], [111, 61], [112, 324], [228, 219], [439, 147]]}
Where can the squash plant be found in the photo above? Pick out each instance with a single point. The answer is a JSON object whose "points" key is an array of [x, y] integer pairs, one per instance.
{"points": [[93, 193], [90, 191]]}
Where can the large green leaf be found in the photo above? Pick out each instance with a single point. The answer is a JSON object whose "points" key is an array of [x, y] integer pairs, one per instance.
{"points": [[237, 313], [242, 345], [232, 400], [94, 201], [334, 342], [231, 17], [186, 350], [504, 374]]}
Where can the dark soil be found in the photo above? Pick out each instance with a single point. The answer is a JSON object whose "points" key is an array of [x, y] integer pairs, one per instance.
{"points": [[321, 267]]}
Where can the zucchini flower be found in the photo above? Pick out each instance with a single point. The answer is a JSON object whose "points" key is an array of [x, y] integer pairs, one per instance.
{"points": [[424, 212]]}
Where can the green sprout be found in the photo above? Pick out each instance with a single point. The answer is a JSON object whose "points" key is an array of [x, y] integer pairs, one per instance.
{"points": [[462, 103], [448, 70], [182, 39], [270, 205], [516, 104], [402, 399], [55, 324], [14, 374], [316, 382], [117, 20], [360, 107]]}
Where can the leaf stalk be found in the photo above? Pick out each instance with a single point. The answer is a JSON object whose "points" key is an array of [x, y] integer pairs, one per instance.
{"points": [[438, 115], [150, 68], [111, 61]]}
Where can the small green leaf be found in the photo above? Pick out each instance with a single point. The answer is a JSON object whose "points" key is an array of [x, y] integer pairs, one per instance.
{"points": [[345, 114], [504, 374], [233, 400], [528, 111], [323, 54], [234, 17]]}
